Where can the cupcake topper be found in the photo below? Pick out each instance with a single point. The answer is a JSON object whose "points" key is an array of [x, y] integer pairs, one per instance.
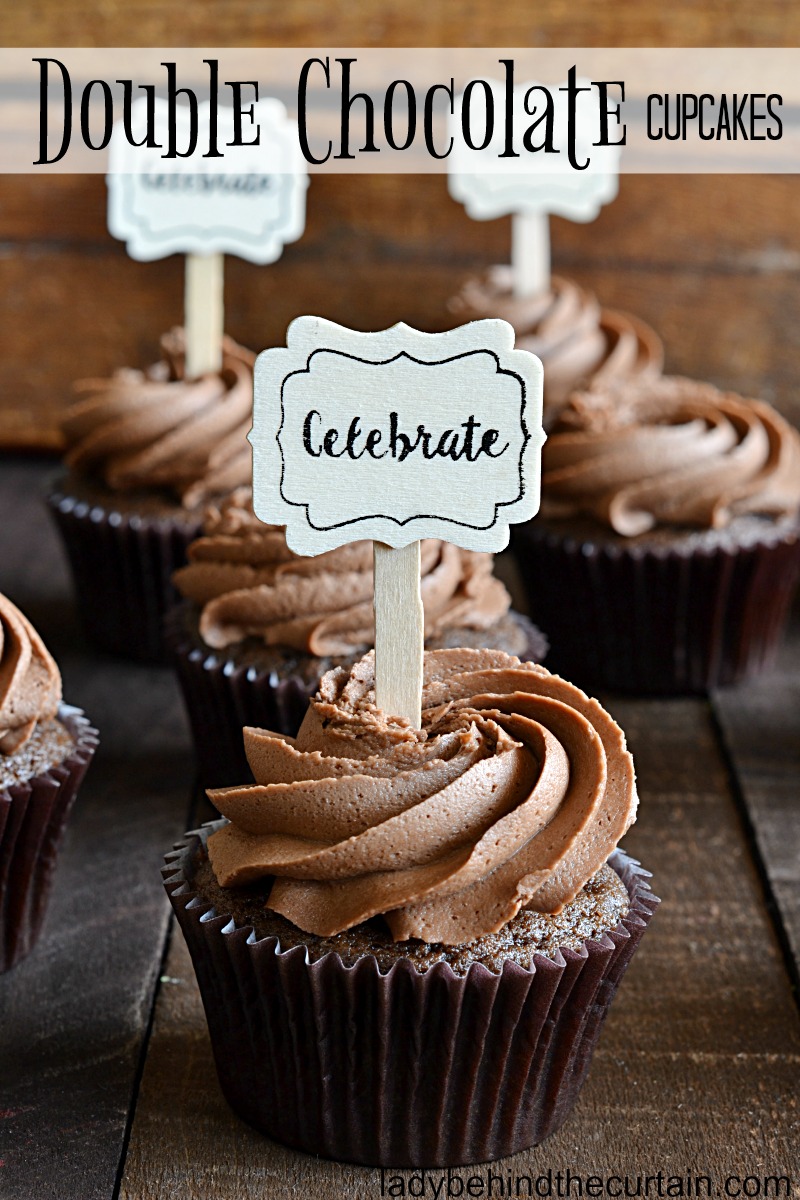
{"points": [[397, 436], [249, 202], [529, 185]]}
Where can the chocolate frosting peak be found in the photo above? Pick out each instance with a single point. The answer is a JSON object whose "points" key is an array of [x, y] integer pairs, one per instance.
{"points": [[512, 795], [154, 429], [30, 683], [670, 452], [577, 340], [250, 584]]}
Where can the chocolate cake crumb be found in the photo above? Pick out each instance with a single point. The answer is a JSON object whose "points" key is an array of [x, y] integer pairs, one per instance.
{"points": [[513, 633], [49, 744], [743, 531], [599, 906], [139, 502]]}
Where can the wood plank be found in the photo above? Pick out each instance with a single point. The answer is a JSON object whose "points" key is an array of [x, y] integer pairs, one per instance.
{"points": [[59, 210], [396, 23], [64, 319], [697, 1066], [761, 727], [743, 222], [73, 1015], [733, 330], [733, 222]]}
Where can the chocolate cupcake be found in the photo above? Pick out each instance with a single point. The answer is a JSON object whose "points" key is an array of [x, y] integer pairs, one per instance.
{"points": [[578, 341], [45, 748], [407, 939], [261, 624], [668, 544], [146, 450]]}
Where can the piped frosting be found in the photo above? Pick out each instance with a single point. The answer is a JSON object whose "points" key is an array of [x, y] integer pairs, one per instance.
{"points": [[156, 430], [30, 682], [248, 583], [670, 452], [512, 794], [578, 341]]}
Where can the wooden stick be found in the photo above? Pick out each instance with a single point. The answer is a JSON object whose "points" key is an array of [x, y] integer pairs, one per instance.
{"points": [[530, 253], [399, 631], [204, 314]]}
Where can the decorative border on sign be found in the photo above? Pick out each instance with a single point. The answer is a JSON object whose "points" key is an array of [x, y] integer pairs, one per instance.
{"points": [[211, 233], [155, 223], [423, 363], [554, 193], [506, 386]]}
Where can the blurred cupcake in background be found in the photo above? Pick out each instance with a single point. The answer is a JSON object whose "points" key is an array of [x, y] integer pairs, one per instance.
{"points": [[260, 624], [146, 450], [45, 749], [668, 544], [578, 341]]}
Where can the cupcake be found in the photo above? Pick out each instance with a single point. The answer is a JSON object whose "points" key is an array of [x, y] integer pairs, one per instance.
{"points": [[578, 341], [667, 548], [146, 450], [261, 624], [45, 748], [407, 939]]}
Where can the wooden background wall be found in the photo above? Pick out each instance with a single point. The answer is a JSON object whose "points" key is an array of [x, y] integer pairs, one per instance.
{"points": [[712, 262]]}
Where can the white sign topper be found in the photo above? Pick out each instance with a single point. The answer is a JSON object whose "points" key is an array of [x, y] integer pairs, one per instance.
{"points": [[536, 183], [489, 185], [250, 203], [397, 436]]}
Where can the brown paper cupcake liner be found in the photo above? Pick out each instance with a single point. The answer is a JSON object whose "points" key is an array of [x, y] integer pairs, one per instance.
{"points": [[33, 817], [122, 566], [402, 1068], [658, 619], [221, 696]]}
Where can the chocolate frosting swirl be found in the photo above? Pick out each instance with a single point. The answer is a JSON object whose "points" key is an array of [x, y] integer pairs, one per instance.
{"points": [[578, 341], [670, 452], [250, 584], [154, 429], [512, 795], [30, 683]]}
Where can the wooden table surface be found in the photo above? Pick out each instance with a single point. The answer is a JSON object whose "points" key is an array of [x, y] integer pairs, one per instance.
{"points": [[107, 1086]]}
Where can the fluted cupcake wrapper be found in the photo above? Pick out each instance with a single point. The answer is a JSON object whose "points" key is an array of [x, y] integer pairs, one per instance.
{"points": [[404, 1068], [221, 696], [659, 619], [33, 817], [122, 566]]}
